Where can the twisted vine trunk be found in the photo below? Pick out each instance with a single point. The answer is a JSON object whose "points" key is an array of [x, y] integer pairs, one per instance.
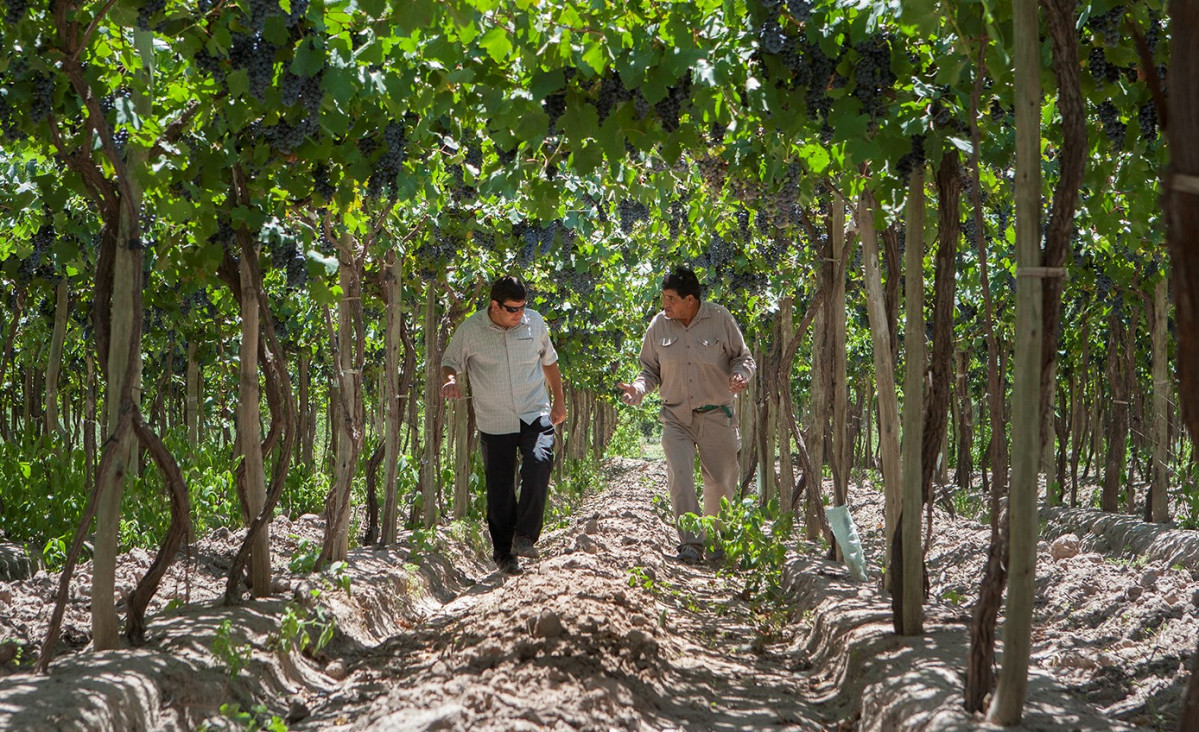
{"points": [[882, 338], [907, 567], [1059, 16], [949, 231], [1182, 233], [54, 366], [248, 430], [393, 288], [350, 350], [980, 664], [1007, 704], [1117, 413]]}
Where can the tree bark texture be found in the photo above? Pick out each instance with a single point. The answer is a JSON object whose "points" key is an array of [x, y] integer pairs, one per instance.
{"points": [[393, 393], [908, 568], [1182, 233], [884, 370], [53, 429], [949, 231], [1007, 705], [248, 431], [841, 442], [350, 357], [1114, 465], [1159, 503], [1059, 17]]}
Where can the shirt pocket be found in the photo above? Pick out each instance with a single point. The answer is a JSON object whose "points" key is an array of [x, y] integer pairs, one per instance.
{"points": [[524, 349], [710, 350], [670, 350]]}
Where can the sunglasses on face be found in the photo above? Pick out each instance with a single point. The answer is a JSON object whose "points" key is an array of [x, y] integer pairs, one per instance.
{"points": [[512, 308]]}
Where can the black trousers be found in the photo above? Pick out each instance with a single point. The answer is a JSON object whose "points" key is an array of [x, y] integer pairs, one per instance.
{"points": [[505, 515]]}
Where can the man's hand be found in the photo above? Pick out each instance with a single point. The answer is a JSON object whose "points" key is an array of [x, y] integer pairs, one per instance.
{"points": [[450, 389], [738, 383], [557, 413], [632, 395]]}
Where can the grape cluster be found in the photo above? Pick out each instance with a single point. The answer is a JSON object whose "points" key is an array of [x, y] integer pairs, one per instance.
{"points": [[577, 282], [473, 156], [1102, 70], [631, 213], [281, 249], [677, 214], [1107, 25], [771, 38], [743, 223], [1113, 126], [800, 10], [969, 232], [720, 255], [43, 97], [437, 251], [908, 162], [942, 114], [713, 170], [256, 56], [387, 167], [297, 271], [210, 64], [554, 106], [872, 74], [321, 183], [485, 239], [998, 113], [611, 93], [670, 107], [120, 140], [775, 249], [259, 10], [745, 283], [15, 10], [41, 242], [1147, 119], [9, 125], [148, 11], [641, 105]]}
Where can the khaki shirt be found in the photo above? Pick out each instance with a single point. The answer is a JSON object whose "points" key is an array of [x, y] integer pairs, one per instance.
{"points": [[504, 369], [692, 364]]}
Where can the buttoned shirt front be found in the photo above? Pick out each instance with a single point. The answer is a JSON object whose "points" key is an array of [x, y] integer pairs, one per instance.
{"points": [[504, 369], [692, 363]]}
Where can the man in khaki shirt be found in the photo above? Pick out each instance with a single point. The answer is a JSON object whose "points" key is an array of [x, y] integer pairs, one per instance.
{"points": [[695, 353]]}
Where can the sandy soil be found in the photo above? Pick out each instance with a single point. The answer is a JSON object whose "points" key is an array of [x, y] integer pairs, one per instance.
{"points": [[608, 631]]}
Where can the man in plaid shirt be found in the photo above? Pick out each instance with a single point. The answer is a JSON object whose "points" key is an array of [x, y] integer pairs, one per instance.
{"points": [[509, 361]]}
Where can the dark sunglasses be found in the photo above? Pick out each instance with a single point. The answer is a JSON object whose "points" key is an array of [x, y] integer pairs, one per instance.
{"points": [[512, 308]]}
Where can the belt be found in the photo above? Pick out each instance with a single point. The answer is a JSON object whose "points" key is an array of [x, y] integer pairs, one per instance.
{"points": [[712, 407]]}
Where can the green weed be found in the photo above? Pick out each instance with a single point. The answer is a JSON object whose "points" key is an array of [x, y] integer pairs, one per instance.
{"points": [[235, 656]]}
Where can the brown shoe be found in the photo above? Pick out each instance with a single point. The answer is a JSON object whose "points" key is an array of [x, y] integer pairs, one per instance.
{"points": [[522, 547], [509, 565]]}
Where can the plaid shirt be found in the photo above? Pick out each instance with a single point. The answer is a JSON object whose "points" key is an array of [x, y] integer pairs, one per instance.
{"points": [[504, 369]]}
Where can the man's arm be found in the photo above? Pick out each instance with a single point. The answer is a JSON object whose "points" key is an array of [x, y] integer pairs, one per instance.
{"points": [[741, 361], [650, 375], [553, 379]]}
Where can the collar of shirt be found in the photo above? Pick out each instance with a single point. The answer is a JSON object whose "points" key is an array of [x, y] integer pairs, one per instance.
{"points": [[704, 312], [524, 320]]}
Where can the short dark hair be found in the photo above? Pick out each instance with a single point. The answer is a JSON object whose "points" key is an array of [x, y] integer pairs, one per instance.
{"points": [[683, 281], [508, 288]]}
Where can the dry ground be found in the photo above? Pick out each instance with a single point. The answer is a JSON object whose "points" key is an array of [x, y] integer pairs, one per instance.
{"points": [[607, 631]]}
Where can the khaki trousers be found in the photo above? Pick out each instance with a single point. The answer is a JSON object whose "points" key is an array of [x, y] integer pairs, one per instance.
{"points": [[717, 439]]}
